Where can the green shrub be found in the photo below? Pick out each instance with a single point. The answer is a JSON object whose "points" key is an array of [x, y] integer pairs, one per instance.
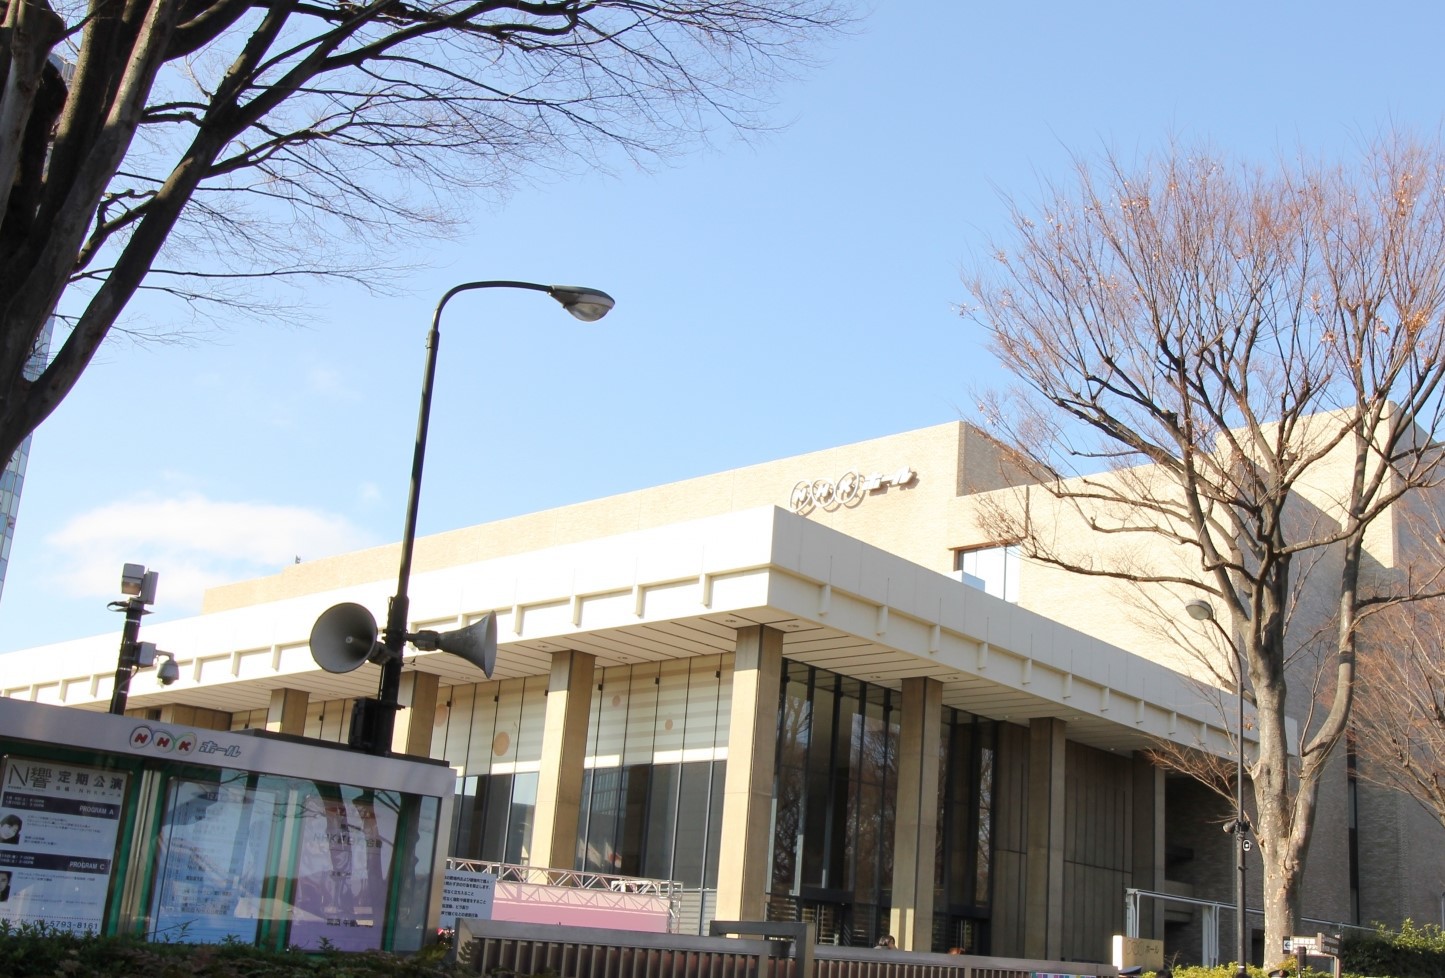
{"points": [[1411, 952], [1228, 971], [42, 952]]}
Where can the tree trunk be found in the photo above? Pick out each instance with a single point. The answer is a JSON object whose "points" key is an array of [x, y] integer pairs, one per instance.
{"points": [[1282, 848]]}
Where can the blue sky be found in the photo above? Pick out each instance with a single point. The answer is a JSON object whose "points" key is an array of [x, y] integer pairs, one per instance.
{"points": [[781, 295]]}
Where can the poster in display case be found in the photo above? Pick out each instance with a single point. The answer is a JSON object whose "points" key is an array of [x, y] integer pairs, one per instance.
{"points": [[215, 846], [343, 868], [59, 823]]}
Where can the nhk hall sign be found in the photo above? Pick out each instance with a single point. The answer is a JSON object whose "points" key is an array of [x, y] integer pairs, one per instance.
{"points": [[847, 490]]}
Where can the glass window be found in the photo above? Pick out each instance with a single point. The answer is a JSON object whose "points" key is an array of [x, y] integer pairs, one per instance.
{"points": [[991, 569], [714, 821], [467, 837], [641, 715], [343, 866], [523, 812], [477, 734], [638, 782], [415, 849], [819, 798], [217, 843], [661, 821], [670, 721], [835, 805], [301, 863], [496, 806], [653, 727], [692, 832], [985, 826], [600, 814]]}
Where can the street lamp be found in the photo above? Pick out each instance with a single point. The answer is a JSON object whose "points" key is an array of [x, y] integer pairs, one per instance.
{"points": [[344, 636], [1201, 610], [139, 585]]}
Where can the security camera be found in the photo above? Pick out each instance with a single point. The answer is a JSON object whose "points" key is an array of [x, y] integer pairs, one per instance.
{"points": [[146, 654]]}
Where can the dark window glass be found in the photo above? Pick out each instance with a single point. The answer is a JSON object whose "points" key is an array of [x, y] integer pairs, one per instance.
{"points": [[835, 808], [602, 787], [519, 822], [661, 822], [466, 843], [638, 781], [495, 809], [692, 827], [985, 825], [714, 822], [819, 796]]}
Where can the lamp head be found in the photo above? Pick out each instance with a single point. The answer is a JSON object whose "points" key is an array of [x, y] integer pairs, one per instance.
{"points": [[137, 582], [1199, 609], [588, 305]]}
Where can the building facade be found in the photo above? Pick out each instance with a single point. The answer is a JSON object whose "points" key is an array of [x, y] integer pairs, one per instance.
{"points": [[12, 478], [813, 688]]}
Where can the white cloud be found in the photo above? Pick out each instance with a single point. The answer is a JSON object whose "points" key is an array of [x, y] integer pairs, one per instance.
{"points": [[193, 542]]}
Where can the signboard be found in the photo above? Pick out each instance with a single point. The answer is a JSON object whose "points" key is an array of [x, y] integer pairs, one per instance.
{"points": [[1325, 945], [215, 846], [847, 490], [1138, 952], [58, 828], [467, 894]]}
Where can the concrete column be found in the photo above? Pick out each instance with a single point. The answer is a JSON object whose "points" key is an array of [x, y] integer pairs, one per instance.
{"points": [[1044, 893], [1147, 841], [742, 882], [915, 831], [287, 711], [564, 748], [416, 719]]}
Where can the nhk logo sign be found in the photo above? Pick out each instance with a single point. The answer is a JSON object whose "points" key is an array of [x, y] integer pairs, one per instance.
{"points": [[162, 741]]}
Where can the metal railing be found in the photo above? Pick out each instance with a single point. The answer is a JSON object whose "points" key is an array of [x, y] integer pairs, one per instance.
{"points": [[542, 876], [761, 950], [1209, 952], [668, 890]]}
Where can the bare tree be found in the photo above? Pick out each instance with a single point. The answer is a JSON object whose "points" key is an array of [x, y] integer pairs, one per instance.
{"points": [[189, 145], [1399, 728], [1246, 365]]}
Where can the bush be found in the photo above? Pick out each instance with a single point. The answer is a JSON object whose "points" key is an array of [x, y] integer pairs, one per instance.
{"points": [[1228, 971], [42, 952], [1410, 952]]}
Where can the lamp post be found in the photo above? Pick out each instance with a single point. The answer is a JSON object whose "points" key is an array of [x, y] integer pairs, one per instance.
{"points": [[139, 585], [1201, 610], [379, 720]]}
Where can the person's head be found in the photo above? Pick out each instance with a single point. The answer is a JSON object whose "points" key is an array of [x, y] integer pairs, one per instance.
{"points": [[886, 941], [4, 878], [9, 828]]}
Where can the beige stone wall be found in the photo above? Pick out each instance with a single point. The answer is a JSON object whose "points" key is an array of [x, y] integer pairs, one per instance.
{"points": [[912, 521], [1148, 622]]}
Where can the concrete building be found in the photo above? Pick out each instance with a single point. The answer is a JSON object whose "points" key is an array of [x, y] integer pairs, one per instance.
{"points": [[12, 478], [813, 688]]}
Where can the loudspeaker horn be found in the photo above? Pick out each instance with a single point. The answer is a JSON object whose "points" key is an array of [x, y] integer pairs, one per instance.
{"points": [[477, 643], [344, 637]]}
